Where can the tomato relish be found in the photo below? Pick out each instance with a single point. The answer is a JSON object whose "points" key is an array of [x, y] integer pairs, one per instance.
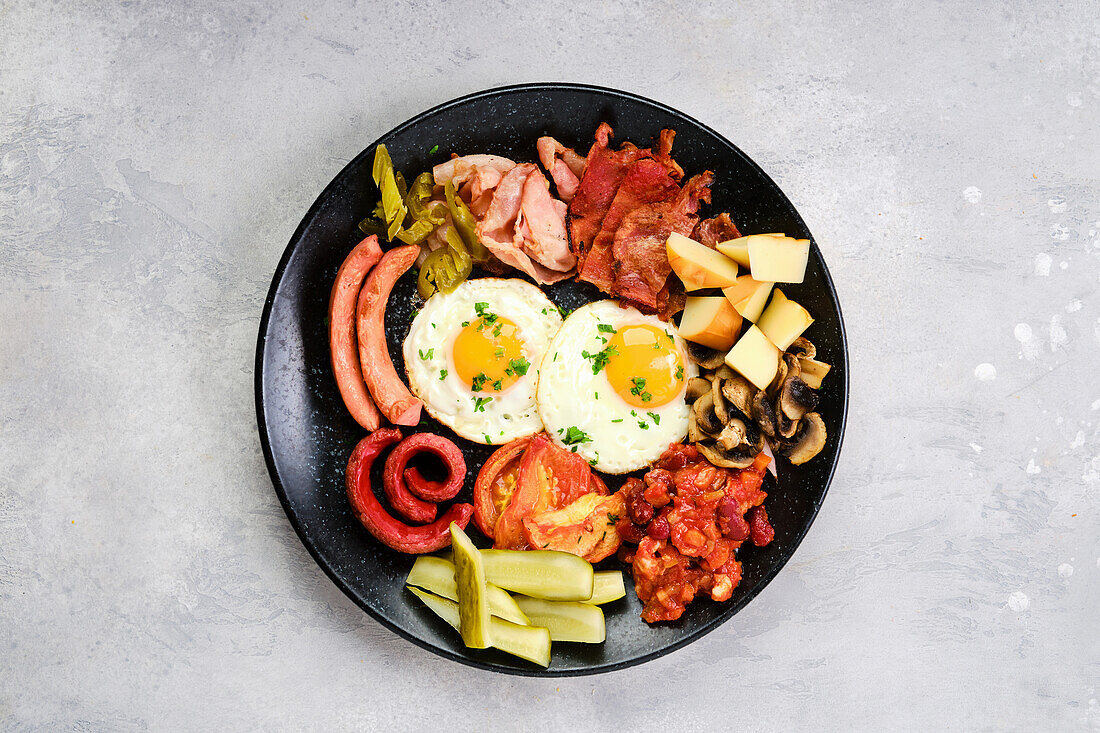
{"points": [[687, 518]]}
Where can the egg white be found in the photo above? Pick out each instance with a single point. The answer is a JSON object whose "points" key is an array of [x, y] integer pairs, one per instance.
{"points": [[429, 361], [622, 437]]}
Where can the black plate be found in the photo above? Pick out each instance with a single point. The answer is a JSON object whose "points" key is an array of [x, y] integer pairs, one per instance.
{"points": [[308, 435]]}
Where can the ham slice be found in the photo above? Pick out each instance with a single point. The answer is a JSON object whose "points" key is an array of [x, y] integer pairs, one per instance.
{"points": [[459, 170], [497, 229], [563, 164], [525, 228], [545, 239]]}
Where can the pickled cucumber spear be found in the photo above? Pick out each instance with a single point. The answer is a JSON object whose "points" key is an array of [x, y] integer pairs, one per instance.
{"points": [[473, 605]]}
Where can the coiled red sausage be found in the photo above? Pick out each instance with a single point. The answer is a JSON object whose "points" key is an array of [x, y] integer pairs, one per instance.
{"points": [[368, 510], [437, 445]]}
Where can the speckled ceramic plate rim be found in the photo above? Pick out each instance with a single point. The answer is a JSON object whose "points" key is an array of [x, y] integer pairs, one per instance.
{"points": [[266, 442]]}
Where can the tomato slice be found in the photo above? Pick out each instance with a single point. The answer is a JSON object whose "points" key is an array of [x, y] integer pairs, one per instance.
{"points": [[585, 527], [549, 478], [496, 482]]}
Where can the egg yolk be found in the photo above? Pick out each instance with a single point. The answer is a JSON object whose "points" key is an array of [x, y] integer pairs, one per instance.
{"points": [[644, 366], [488, 354]]}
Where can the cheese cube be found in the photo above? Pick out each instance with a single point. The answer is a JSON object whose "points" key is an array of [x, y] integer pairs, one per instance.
{"points": [[784, 320], [779, 260], [755, 358], [738, 249], [748, 296], [711, 322], [697, 265], [813, 371]]}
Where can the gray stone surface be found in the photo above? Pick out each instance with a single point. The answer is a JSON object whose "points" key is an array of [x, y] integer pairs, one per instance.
{"points": [[154, 161]]}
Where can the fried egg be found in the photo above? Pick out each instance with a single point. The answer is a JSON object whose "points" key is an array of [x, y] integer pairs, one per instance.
{"points": [[472, 357], [612, 386]]}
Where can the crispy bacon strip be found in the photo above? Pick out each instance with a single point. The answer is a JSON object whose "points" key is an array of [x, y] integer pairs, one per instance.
{"points": [[641, 263], [647, 181], [718, 229], [389, 392], [604, 171]]}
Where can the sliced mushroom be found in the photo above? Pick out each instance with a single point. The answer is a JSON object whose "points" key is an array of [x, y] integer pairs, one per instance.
{"points": [[739, 457], [755, 437], [697, 387], [718, 400], [794, 366], [705, 356], [764, 415], [695, 435], [704, 417], [723, 372], [808, 441], [797, 398], [739, 391], [785, 426], [802, 348], [780, 377], [734, 434]]}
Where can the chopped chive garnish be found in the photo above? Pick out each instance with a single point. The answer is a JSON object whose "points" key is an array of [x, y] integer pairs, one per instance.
{"points": [[600, 358], [487, 317], [575, 435], [654, 417]]}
